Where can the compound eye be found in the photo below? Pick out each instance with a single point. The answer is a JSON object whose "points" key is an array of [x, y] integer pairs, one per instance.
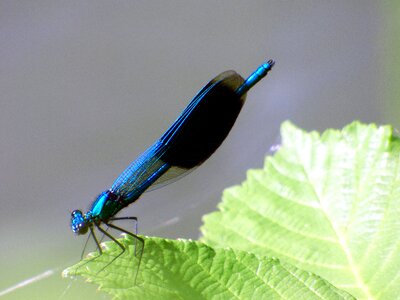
{"points": [[76, 213], [78, 222]]}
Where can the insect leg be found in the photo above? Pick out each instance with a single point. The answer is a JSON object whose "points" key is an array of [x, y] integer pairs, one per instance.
{"points": [[141, 240], [136, 225]]}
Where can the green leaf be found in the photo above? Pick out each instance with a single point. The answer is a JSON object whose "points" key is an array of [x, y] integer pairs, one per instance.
{"points": [[182, 269], [328, 204]]}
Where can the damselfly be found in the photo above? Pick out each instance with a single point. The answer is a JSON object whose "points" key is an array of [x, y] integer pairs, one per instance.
{"points": [[192, 138]]}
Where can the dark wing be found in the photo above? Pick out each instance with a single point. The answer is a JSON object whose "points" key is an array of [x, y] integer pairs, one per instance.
{"points": [[180, 131], [160, 164]]}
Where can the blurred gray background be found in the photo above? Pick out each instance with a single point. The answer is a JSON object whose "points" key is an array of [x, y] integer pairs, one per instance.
{"points": [[86, 86]]}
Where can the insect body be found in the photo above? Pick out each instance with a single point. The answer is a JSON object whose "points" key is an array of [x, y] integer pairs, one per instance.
{"points": [[191, 139]]}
